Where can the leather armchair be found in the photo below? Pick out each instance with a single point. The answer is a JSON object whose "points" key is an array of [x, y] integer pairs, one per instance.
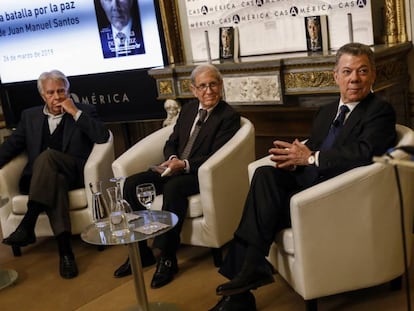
{"points": [[13, 205], [346, 231], [214, 213]]}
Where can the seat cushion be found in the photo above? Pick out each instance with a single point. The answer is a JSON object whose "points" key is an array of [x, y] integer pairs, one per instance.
{"points": [[284, 240], [77, 199], [194, 207]]}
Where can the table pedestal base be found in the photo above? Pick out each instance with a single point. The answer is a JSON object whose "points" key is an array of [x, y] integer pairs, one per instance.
{"points": [[156, 306], [7, 278]]}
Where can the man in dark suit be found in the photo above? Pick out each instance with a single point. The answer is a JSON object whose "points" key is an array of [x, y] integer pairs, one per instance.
{"points": [[345, 134], [220, 124], [58, 138], [122, 34]]}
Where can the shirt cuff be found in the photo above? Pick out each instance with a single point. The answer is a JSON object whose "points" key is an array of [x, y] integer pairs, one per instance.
{"points": [[77, 115], [317, 158], [187, 166]]}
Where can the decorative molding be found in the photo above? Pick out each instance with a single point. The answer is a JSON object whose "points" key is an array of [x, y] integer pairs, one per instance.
{"points": [[395, 21], [172, 31], [263, 89], [401, 21], [185, 86], [390, 71], [302, 78], [165, 88], [309, 79]]}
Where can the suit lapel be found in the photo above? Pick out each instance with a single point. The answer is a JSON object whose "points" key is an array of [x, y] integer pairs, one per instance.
{"points": [[354, 118]]}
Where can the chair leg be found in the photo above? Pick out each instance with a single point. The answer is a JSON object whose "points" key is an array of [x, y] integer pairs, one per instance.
{"points": [[396, 284], [217, 256], [16, 251], [311, 305]]}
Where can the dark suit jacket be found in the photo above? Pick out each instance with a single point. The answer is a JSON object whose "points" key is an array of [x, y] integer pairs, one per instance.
{"points": [[78, 136], [369, 131], [220, 126]]}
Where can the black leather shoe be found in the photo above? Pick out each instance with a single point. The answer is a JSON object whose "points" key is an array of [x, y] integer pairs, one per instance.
{"points": [[166, 269], [67, 267], [240, 302], [250, 277], [147, 259], [123, 270], [20, 237]]}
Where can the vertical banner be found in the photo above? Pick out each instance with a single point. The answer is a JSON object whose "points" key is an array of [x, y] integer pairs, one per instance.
{"points": [[274, 26]]}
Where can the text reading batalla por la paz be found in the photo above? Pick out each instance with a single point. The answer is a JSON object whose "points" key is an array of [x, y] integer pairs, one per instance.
{"points": [[36, 12]]}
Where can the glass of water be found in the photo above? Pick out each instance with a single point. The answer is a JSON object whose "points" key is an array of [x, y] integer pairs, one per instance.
{"points": [[146, 195]]}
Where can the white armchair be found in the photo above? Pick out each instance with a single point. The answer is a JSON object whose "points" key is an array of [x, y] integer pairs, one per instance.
{"points": [[346, 231], [214, 213], [13, 205]]}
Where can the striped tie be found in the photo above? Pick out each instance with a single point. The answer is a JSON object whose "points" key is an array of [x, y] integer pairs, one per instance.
{"points": [[202, 114]]}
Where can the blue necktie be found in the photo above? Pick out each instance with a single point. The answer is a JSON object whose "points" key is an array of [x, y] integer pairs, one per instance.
{"points": [[335, 128]]}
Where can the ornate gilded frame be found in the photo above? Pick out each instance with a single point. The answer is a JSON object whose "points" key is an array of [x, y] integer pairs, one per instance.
{"points": [[172, 31]]}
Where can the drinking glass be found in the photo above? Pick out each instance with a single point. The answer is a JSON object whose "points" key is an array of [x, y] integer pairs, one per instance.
{"points": [[100, 211], [125, 205], [146, 196], [118, 220]]}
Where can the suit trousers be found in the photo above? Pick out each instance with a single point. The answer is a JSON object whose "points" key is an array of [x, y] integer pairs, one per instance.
{"points": [[54, 174], [175, 189], [266, 212]]}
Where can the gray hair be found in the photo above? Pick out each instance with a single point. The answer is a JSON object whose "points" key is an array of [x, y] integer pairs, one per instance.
{"points": [[356, 49], [55, 75], [203, 68]]}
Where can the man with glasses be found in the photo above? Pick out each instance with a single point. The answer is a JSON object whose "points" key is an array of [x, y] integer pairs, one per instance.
{"points": [[202, 127], [58, 138]]}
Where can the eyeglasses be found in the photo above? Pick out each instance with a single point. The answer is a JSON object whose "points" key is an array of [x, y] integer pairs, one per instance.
{"points": [[50, 93], [203, 87]]}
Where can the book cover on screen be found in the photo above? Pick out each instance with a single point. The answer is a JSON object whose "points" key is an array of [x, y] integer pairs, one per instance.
{"points": [[317, 35]]}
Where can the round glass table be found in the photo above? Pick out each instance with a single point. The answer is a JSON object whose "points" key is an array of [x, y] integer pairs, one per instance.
{"points": [[103, 236]]}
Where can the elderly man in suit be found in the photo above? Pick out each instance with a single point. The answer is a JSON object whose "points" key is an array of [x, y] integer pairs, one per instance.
{"points": [[216, 122], [58, 138], [345, 134]]}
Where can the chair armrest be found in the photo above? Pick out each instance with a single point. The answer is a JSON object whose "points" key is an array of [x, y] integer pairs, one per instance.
{"points": [[347, 228], [260, 162], [10, 175], [148, 151], [224, 174], [98, 166], [9, 187]]}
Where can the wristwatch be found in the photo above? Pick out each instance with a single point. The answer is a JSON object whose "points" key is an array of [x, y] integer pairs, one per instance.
{"points": [[311, 159]]}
